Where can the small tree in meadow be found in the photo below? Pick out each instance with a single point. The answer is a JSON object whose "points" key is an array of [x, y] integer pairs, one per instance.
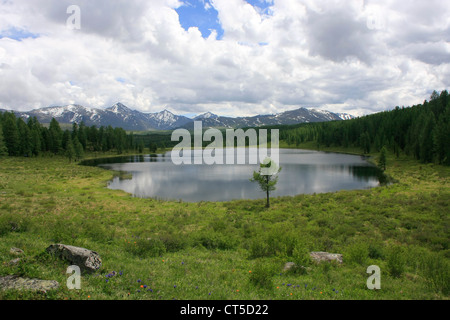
{"points": [[267, 182], [70, 150], [382, 160]]}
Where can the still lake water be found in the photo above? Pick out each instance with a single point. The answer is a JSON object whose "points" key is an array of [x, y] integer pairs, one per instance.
{"points": [[303, 172]]}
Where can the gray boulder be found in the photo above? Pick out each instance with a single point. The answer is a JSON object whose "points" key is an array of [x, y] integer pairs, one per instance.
{"points": [[325, 256], [17, 283], [87, 260]]}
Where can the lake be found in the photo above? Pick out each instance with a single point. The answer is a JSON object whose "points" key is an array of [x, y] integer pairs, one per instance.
{"points": [[303, 172]]}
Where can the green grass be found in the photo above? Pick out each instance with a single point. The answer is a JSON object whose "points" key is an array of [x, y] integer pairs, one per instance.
{"points": [[231, 250]]}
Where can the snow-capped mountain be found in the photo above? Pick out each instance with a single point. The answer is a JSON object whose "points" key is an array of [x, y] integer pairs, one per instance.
{"points": [[118, 115], [121, 116], [345, 116], [301, 115]]}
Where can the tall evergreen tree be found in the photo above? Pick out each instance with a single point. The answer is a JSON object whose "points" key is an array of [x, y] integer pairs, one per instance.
{"points": [[36, 138], [79, 152], [441, 137], [11, 133], [382, 161], [25, 146], [66, 137], [3, 149], [56, 135], [70, 150], [365, 142], [82, 135], [426, 138]]}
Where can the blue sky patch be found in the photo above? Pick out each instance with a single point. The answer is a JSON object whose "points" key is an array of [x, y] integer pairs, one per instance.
{"points": [[200, 14], [262, 5], [17, 34]]}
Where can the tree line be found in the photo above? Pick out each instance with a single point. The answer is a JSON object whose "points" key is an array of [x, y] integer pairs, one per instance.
{"points": [[421, 131], [30, 139]]}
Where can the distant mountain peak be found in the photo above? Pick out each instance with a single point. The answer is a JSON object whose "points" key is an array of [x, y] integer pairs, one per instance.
{"points": [[165, 111], [119, 108], [207, 115]]}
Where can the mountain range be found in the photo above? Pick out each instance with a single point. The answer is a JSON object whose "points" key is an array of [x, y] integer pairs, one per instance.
{"points": [[121, 116]]}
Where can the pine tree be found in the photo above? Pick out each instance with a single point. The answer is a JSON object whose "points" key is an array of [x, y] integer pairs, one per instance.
{"points": [[267, 182], [382, 160], [365, 142], [3, 149], [66, 137], [70, 150], [79, 152], [82, 135], [153, 147], [426, 138], [25, 147], [441, 137], [11, 134], [56, 135], [36, 139], [141, 147]]}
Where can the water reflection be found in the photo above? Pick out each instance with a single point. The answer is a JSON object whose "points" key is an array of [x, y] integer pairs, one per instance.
{"points": [[304, 172]]}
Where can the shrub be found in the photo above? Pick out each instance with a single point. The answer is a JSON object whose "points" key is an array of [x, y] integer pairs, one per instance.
{"points": [[396, 262], [12, 223], [259, 249], [436, 270], [272, 244], [301, 258], [145, 248], [376, 251], [357, 253], [262, 276], [174, 242], [216, 240]]}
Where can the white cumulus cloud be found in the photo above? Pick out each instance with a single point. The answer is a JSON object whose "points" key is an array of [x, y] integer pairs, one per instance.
{"points": [[357, 56]]}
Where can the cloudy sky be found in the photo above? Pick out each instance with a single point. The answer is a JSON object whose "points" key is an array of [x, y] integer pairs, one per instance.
{"points": [[230, 57]]}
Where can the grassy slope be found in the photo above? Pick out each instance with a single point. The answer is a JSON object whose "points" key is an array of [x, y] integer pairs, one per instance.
{"points": [[233, 250]]}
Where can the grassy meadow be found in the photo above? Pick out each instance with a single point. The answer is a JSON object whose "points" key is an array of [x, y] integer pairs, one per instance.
{"points": [[157, 250]]}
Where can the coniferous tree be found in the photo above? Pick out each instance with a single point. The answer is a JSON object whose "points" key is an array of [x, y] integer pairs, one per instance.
{"points": [[3, 149], [153, 147], [56, 135], [74, 130], [141, 147], [11, 134], [426, 138], [25, 147], [46, 141], [365, 142], [382, 161], [441, 137], [267, 182], [36, 138], [36, 141], [82, 135], [66, 137], [70, 150], [79, 152]]}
